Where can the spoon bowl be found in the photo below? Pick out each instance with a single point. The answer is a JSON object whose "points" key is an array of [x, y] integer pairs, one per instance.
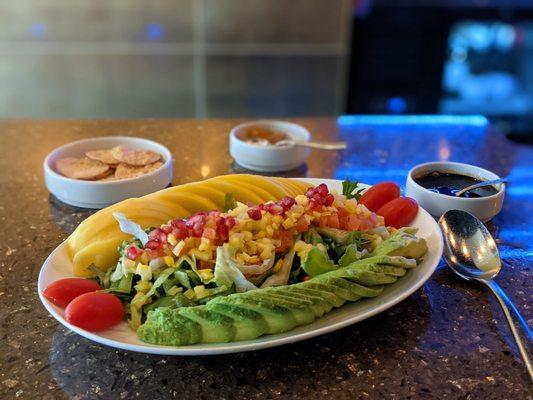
{"points": [[471, 252]]}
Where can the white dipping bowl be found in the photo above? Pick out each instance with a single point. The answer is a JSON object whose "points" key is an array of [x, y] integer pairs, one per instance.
{"points": [[269, 158], [484, 208], [96, 194]]}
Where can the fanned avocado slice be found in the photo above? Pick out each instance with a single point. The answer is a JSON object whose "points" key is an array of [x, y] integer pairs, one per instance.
{"points": [[216, 327], [317, 304], [345, 285], [366, 277], [278, 317], [318, 285], [167, 327], [301, 309], [328, 299], [248, 324]]}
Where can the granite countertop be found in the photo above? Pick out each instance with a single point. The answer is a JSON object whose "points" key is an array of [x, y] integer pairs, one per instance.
{"points": [[447, 341]]}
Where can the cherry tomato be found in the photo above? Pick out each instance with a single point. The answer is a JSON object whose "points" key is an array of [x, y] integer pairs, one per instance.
{"points": [[399, 212], [95, 311], [379, 195], [63, 291]]}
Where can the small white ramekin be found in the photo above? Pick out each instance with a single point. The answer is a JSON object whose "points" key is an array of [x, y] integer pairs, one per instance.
{"points": [[484, 208], [100, 194], [269, 158]]}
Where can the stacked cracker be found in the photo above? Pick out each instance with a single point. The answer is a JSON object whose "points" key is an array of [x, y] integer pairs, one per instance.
{"points": [[120, 162]]}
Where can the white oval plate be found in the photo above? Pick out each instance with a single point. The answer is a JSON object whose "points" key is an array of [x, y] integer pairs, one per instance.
{"points": [[58, 265]]}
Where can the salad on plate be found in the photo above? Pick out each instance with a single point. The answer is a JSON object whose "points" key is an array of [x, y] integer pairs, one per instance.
{"points": [[248, 269]]}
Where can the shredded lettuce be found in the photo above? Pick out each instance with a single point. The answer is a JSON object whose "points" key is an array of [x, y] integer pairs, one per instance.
{"points": [[281, 277], [227, 272], [130, 227], [317, 263]]}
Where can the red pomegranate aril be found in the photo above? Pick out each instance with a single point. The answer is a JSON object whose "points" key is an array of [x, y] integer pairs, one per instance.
{"points": [[230, 222], [132, 252], [255, 214], [329, 199], [180, 233], [177, 223], [261, 207], [153, 244], [322, 190], [198, 229], [310, 192], [220, 221], [315, 205], [222, 232], [274, 209], [166, 228], [159, 235], [287, 203]]}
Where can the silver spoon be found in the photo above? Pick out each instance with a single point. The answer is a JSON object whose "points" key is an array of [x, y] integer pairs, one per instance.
{"points": [[471, 253], [480, 184], [314, 145]]}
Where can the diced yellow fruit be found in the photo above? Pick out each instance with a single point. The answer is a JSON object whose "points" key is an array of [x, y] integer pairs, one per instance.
{"points": [[174, 290], [169, 261], [130, 265], [288, 223], [144, 271], [189, 293], [172, 239], [200, 292], [178, 248], [201, 255], [144, 258], [205, 244], [143, 286], [206, 274], [278, 265]]}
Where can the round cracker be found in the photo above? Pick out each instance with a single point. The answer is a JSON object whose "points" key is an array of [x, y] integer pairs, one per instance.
{"points": [[110, 177], [103, 155], [135, 157], [81, 168], [125, 171]]}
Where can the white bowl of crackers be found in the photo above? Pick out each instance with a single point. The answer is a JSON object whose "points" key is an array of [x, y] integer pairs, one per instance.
{"points": [[97, 172]]}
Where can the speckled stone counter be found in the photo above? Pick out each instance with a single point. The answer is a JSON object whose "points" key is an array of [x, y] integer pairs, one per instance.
{"points": [[447, 341]]}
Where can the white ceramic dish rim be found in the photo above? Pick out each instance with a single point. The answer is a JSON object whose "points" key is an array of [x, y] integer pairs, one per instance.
{"points": [[167, 156], [269, 122], [457, 164], [263, 341]]}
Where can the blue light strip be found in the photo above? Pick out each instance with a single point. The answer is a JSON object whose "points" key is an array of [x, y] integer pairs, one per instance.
{"points": [[473, 120]]}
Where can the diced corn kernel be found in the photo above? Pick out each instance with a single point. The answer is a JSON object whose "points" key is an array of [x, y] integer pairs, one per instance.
{"points": [[189, 293], [201, 255], [172, 239], [178, 248], [278, 265], [269, 231], [144, 271], [278, 219], [144, 258], [302, 200], [130, 265], [206, 274], [205, 244], [351, 206], [288, 223], [174, 290], [143, 286], [169, 261]]}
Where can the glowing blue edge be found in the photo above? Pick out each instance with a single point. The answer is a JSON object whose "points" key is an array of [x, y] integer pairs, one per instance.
{"points": [[475, 120]]}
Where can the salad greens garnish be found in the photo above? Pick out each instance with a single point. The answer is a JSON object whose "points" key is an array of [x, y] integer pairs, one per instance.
{"points": [[229, 202], [350, 190]]}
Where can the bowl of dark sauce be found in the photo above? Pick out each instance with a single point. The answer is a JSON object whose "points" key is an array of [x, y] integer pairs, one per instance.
{"points": [[434, 185], [449, 183]]}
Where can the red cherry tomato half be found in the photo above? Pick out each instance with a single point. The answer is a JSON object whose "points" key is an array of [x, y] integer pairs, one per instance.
{"points": [[399, 212], [63, 291], [379, 195], [95, 311]]}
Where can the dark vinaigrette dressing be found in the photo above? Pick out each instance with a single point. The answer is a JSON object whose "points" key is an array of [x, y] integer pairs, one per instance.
{"points": [[448, 183]]}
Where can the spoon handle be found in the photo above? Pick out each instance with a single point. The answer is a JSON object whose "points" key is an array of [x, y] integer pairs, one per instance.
{"points": [[499, 293], [480, 184]]}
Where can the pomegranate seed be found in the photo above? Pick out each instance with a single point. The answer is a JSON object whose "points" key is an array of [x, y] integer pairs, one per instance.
{"points": [[255, 214], [198, 229], [314, 205], [261, 207], [220, 221], [153, 244], [166, 228], [322, 190], [230, 222], [310, 192], [287, 203], [274, 209], [132, 252], [328, 201], [181, 233], [178, 223], [209, 233], [222, 232], [158, 234]]}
